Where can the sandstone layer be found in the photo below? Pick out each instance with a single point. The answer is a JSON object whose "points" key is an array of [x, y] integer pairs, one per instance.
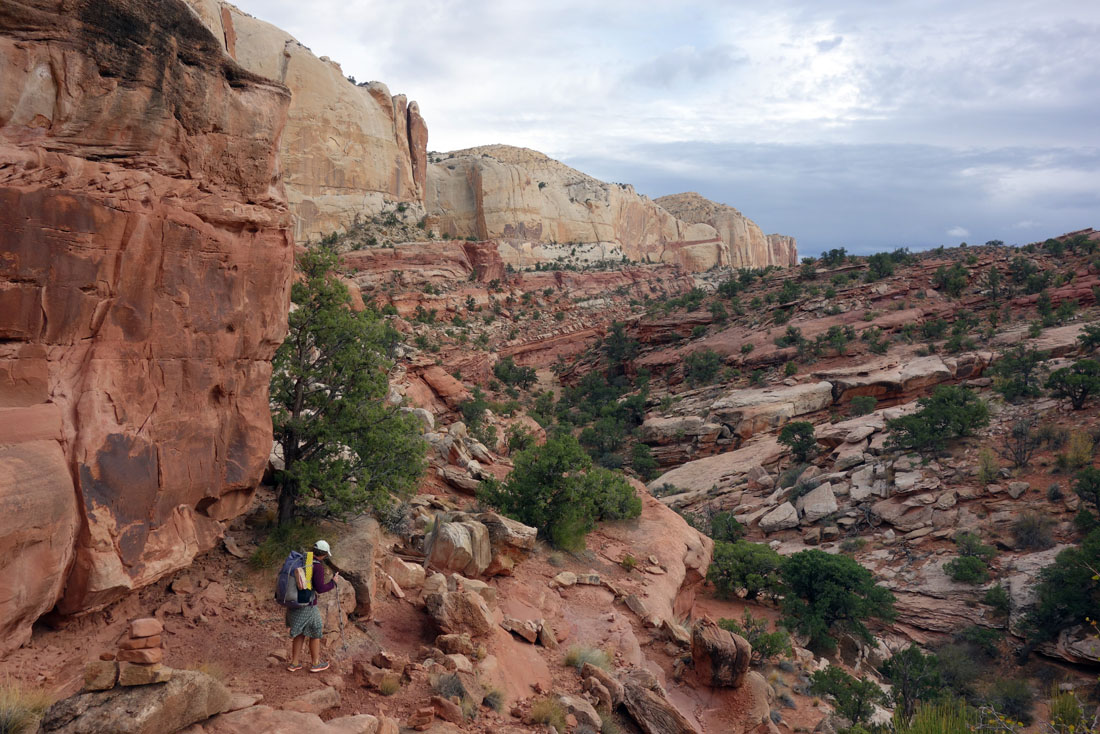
{"points": [[746, 245], [144, 281], [348, 149], [531, 202]]}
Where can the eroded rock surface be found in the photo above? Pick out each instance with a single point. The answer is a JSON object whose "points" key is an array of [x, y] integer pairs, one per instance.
{"points": [[143, 291]]}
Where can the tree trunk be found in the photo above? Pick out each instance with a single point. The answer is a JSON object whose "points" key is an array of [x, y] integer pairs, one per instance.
{"points": [[288, 499]]}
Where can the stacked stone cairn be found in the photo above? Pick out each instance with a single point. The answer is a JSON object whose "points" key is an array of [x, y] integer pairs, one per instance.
{"points": [[137, 662]]}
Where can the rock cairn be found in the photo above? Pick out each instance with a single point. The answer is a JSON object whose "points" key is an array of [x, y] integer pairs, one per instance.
{"points": [[137, 662]]}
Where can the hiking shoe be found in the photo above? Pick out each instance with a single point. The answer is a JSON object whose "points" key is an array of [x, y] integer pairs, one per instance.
{"points": [[318, 667], [294, 667]]}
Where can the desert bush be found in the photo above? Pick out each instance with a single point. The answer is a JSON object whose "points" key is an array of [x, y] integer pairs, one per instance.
{"points": [[21, 708], [1076, 383], [495, 699], [1032, 532], [1066, 714], [988, 468], [972, 564], [1012, 697], [997, 599], [914, 676], [578, 655], [798, 436], [555, 488], [862, 405], [753, 567], [1017, 373], [824, 594], [1020, 442], [855, 698], [701, 367], [950, 412], [1078, 453], [765, 645], [1068, 591], [548, 711], [389, 685]]}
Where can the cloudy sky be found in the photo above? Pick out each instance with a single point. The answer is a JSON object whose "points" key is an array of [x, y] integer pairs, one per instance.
{"points": [[856, 123]]}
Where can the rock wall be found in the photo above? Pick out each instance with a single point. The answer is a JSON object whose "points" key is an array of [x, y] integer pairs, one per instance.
{"points": [[518, 196], [144, 282], [748, 246], [347, 149], [784, 249]]}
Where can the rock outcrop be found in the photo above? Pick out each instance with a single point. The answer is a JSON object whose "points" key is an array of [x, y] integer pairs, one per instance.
{"points": [[348, 149], [746, 245], [143, 291], [542, 210], [721, 658]]}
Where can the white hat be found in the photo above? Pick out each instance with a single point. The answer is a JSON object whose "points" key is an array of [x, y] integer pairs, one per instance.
{"points": [[322, 546]]}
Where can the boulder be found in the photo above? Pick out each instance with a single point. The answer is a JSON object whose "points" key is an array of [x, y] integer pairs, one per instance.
{"points": [[817, 503], [652, 711], [721, 658], [459, 546], [407, 575], [722, 470], [188, 697], [511, 542], [460, 611], [781, 518], [355, 555], [584, 712]]}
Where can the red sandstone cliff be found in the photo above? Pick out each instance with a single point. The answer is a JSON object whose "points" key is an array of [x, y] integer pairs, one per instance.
{"points": [[145, 260]]}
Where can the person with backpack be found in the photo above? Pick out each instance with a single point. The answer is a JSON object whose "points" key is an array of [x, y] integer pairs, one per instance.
{"points": [[300, 581]]}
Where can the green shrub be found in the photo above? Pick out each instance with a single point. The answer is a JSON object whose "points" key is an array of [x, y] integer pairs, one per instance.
{"points": [[950, 412], [855, 698], [799, 437], [959, 669], [1087, 486], [642, 461], [915, 677], [1068, 591], [863, 404], [1017, 373], [997, 599], [967, 570], [826, 593], [988, 469], [555, 488], [753, 567], [495, 699], [1033, 532], [701, 367], [1066, 714], [765, 645], [1012, 697], [987, 641], [1076, 383]]}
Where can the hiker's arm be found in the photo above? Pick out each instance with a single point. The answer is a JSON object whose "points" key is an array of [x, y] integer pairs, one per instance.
{"points": [[320, 584]]}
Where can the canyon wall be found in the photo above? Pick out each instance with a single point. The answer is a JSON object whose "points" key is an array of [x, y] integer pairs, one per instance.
{"points": [[748, 246], [540, 209], [348, 150], [145, 262], [517, 195]]}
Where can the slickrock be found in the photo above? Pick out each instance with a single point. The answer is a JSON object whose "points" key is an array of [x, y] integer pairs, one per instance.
{"points": [[145, 287]]}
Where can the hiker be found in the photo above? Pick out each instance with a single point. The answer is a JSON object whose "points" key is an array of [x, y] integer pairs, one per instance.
{"points": [[305, 621]]}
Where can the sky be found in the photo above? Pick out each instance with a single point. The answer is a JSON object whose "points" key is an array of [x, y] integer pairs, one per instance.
{"points": [[864, 124]]}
